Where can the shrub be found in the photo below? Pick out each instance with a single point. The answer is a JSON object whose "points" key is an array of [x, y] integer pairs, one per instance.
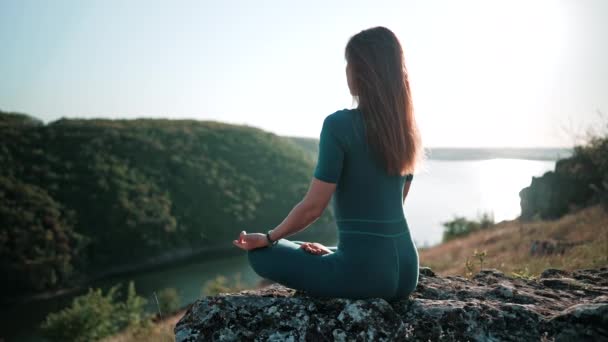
{"points": [[461, 226], [168, 300], [470, 267], [220, 285], [94, 315], [595, 150], [131, 311], [524, 274]]}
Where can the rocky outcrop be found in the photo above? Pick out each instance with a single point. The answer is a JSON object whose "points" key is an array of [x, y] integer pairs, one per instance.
{"points": [[558, 306], [574, 184]]}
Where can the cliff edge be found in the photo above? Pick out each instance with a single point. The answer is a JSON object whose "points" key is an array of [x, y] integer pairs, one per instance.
{"points": [[558, 306]]}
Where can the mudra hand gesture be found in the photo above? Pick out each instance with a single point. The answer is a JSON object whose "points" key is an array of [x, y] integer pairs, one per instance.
{"points": [[315, 248], [258, 240], [250, 241]]}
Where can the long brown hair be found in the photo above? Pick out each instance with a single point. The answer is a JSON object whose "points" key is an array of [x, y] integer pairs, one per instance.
{"points": [[380, 78]]}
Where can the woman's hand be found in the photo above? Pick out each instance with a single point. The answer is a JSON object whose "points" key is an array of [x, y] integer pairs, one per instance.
{"points": [[250, 241], [315, 248]]}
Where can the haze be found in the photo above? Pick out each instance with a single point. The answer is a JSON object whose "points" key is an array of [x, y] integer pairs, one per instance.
{"points": [[484, 73]]}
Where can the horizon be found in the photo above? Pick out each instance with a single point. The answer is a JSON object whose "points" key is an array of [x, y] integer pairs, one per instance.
{"points": [[281, 135], [509, 73]]}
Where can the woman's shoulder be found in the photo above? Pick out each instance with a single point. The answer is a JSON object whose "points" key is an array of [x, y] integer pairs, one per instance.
{"points": [[342, 124], [340, 117]]}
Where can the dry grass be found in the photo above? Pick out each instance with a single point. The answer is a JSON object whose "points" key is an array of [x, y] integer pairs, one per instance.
{"points": [[508, 245], [161, 331]]}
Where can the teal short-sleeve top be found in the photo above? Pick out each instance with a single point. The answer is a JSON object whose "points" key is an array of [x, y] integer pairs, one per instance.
{"points": [[364, 190]]}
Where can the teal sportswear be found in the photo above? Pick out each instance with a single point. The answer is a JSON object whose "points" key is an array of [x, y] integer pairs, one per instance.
{"points": [[375, 256]]}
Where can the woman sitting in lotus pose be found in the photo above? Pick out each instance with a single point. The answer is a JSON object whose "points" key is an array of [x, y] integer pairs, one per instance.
{"points": [[367, 157]]}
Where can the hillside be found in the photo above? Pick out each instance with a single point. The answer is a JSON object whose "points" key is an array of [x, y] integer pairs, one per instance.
{"points": [[563, 222], [81, 197], [310, 145], [577, 240]]}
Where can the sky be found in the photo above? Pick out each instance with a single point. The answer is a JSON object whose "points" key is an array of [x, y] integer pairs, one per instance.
{"points": [[482, 73]]}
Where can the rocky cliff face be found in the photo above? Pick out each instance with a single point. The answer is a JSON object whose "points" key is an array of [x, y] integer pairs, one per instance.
{"points": [[574, 183], [558, 306]]}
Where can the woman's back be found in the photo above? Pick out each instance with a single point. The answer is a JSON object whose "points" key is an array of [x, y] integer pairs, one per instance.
{"points": [[375, 256], [364, 191]]}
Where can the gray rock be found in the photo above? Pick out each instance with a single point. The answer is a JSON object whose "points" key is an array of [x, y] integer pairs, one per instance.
{"points": [[556, 192], [561, 306]]}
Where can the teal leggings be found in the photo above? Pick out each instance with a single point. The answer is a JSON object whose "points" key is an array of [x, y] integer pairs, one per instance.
{"points": [[364, 264]]}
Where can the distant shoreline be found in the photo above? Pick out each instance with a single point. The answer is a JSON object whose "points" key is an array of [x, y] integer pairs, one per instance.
{"points": [[467, 153], [524, 153]]}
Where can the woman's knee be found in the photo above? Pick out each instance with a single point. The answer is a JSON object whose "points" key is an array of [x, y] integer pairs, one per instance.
{"points": [[257, 260]]}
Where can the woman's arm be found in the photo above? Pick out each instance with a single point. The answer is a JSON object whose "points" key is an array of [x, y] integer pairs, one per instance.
{"points": [[306, 211], [325, 178], [301, 216]]}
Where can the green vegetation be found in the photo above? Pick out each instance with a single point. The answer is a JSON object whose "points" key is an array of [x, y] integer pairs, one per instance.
{"points": [[18, 119], [168, 300], [470, 267], [524, 274], [310, 145], [37, 237], [221, 285], [582, 236], [460, 226], [577, 182], [79, 197], [595, 153], [94, 316]]}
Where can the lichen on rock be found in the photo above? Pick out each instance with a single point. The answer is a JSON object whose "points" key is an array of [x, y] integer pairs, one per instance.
{"points": [[559, 306]]}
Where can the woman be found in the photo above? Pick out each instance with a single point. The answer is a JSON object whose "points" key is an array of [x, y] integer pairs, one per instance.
{"points": [[366, 160]]}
